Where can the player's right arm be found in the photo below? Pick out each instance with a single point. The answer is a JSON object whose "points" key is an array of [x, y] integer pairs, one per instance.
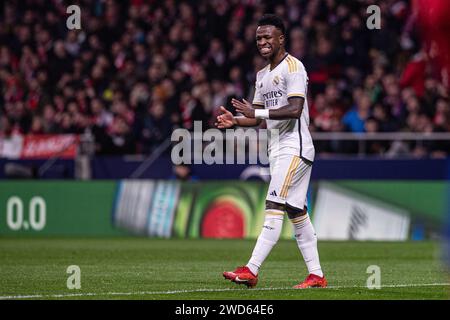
{"points": [[227, 120], [258, 103]]}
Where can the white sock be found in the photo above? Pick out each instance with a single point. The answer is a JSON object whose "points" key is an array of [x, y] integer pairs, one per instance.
{"points": [[307, 243], [267, 239]]}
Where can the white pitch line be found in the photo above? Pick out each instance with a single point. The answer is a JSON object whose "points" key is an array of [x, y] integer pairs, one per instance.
{"points": [[93, 294]]}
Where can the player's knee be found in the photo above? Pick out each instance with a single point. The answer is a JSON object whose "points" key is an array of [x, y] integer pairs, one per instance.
{"points": [[270, 205], [294, 212]]}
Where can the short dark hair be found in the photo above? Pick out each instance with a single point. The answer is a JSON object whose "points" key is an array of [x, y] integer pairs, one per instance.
{"points": [[272, 20]]}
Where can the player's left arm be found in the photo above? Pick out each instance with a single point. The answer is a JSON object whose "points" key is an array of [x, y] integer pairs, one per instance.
{"points": [[291, 111], [296, 86]]}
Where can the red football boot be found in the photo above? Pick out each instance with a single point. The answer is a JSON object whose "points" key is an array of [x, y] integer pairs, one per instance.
{"points": [[242, 275], [312, 281]]}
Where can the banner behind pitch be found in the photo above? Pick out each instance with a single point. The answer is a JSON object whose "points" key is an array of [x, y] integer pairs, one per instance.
{"points": [[231, 209], [57, 208]]}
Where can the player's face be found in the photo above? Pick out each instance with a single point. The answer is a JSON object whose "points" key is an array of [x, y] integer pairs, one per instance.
{"points": [[269, 39]]}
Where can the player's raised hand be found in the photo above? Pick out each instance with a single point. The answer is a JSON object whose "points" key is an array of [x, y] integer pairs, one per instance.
{"points": [[225, 120], [244, 107]]}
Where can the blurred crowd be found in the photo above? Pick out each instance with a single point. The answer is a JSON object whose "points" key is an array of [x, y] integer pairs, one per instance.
{"points": [[138, 69]]}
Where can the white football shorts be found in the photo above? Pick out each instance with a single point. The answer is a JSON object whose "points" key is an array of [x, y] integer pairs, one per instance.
{"points": [[289, 181]]}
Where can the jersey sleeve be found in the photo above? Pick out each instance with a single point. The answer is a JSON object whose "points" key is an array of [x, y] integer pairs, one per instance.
{"points": [[296, 83], [258, 98]]}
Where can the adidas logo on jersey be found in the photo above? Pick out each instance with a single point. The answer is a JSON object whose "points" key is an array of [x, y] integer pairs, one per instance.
{"points": [[274, 193]]}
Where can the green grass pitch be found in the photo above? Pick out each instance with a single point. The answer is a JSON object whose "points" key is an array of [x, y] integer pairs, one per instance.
{"points": [[141, 268]]}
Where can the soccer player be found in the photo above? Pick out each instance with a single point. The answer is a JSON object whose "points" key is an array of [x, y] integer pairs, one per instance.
{"points": [[280, 99]]}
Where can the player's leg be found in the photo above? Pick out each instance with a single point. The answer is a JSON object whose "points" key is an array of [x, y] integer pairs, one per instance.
{"points": [[304, 232], [270, 233], [281, 170], [268, 237]]}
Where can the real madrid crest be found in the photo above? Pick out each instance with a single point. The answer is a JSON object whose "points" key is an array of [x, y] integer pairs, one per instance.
{"points": [[276, 80]]}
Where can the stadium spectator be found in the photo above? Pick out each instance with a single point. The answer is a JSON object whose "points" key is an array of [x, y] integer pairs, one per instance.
{"points": [[133, 58], [355, 119]]}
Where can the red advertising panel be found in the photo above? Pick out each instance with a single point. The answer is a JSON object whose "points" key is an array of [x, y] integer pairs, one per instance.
{"points": [[46, 146]]}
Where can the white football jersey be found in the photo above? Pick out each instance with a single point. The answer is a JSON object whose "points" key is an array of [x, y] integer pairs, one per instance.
{"points": [[273, 88]]}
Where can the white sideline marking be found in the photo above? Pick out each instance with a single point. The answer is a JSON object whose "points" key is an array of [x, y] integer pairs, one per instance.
{"points": [[93, 294]]}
